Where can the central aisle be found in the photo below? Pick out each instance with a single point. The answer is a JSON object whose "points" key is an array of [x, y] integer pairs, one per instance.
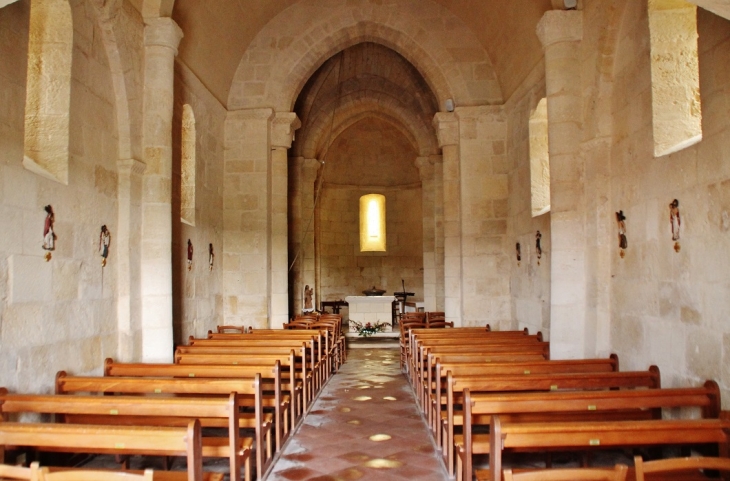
{"points": [[364, 426]]}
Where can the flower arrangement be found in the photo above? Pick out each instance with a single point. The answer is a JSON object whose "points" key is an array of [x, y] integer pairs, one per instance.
{"points": [[368, 329]]}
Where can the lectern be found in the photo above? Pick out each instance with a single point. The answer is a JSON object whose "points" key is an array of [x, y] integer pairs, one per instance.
{"points": [[401, 298]]}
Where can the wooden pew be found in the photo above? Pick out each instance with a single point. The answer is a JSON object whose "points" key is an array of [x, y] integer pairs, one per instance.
{"points": [[191, 386], [437, 402], [589, 406], [512, 349], [318, 343], [147, 411], [455, 388], [282, 372], [308, 351], [303, 365], [30, 473], [101, 439], [566, 436], [618, 473], [681, 465]]}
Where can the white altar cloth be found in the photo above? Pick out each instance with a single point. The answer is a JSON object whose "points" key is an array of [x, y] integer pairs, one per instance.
{"points": [[371, 309]]}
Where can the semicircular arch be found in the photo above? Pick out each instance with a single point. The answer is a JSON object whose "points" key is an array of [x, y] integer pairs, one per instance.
{"points": [[276, 66], [317, 137]]}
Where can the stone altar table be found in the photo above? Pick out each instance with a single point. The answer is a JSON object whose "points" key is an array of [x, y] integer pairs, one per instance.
{"points": [[371, 309]]}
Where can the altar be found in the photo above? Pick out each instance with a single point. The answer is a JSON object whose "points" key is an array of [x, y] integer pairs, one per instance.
{"points": [[364, 309]]}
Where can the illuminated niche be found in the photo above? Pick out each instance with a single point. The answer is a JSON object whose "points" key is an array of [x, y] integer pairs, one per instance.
{"points": [[372, 223]]}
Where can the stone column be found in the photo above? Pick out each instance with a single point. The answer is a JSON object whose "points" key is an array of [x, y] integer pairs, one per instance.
{"points": [[128, 249], [484, 194], [447, 129], [428, 199], [438, 221], [309, 174], [282, 127], [246, 217], [560, 33], [161, 38]]}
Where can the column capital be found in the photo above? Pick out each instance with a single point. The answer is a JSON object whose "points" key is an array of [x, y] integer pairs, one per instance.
{"points": [[131, 166], [162, 32], [425, 168], [283, 126], [447, 128], [558, 26]]}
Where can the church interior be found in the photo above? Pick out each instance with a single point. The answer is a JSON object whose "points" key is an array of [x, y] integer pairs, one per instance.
{"points": [[560, 166]]}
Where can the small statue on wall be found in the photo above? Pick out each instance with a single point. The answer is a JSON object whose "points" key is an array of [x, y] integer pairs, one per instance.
{"points": [[49, 236], [190, 255], [211, 256], [622, 242], [518, 250], [104, 241], [676, 222], [308, 304], [538, 248]]}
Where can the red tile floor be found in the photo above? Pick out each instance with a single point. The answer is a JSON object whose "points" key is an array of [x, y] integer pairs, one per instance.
{"points": [[364, 426]]}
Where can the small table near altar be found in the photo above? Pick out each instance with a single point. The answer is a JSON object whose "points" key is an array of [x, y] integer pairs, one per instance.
{"points": [[364, 309]]}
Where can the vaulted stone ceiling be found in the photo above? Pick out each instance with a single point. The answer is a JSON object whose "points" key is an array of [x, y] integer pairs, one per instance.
{"points": [[218, 32]]}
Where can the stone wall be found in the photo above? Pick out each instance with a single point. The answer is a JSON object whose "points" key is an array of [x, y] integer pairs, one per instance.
{"points": [[59, 314], [670, 308], [344, 270], [197, 296], [529, 282]]}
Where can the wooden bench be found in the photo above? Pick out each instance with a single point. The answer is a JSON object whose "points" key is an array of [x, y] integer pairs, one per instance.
{"points": [[306, 358], [101, 439], [618, 473], [588, 435], [161, 386], [283, 372], [589, 406], [147, 411], [455, 388], [437, 382], [685, 466], [318, 343], [509, 350]]}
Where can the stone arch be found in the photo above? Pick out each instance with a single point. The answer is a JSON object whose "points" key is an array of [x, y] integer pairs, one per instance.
{"points": [[352, 109], [108, 15], [275, 67]]}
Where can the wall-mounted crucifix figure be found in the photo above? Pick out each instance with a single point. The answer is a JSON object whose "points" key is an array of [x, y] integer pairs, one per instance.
{"points": [[622, 241], [676, 221], [49, 236]]}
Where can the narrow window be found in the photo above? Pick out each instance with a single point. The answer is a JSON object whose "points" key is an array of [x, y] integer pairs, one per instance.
{"points": [[48, 93], [539, 160], [675, 77], [187, 181], [372, 223]]}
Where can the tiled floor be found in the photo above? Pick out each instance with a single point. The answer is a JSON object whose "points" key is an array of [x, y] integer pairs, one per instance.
{"points": [[364, 426]]}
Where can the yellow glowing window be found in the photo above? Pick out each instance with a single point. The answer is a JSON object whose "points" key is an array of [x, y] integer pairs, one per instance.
{"points": [[372, 223]]}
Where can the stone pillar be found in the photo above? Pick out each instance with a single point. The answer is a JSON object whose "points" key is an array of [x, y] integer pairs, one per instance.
{"points": [[309, 171], [161, 38], [484, 193], [560, 33], [428, 196], [447, 129], [246, 217], [438, 221], [282, 127], [128, 249]]}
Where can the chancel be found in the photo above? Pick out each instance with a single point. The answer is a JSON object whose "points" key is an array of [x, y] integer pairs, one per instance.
{"points": [[169, 168]]}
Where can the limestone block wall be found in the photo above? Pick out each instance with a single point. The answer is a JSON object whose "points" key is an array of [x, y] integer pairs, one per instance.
{"points": [[671, 308], [59, 314], [344, 270], [529, 282], [197, 294], [484, 167]]}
